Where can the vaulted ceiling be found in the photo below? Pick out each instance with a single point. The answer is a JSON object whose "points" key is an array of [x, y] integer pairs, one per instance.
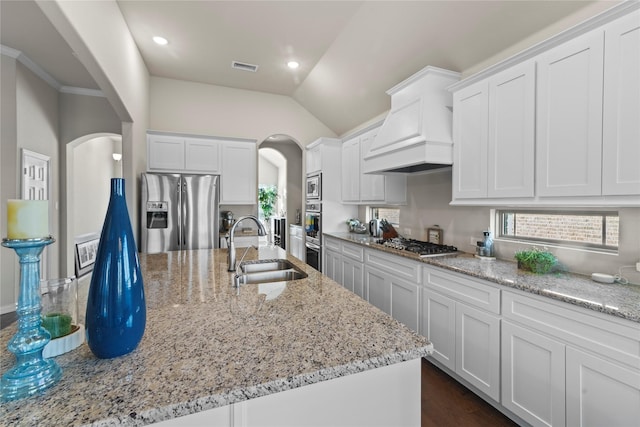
{"points": [[350, 52]]}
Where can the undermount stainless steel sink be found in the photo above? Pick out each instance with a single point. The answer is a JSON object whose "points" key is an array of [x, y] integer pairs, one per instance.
{"points": [[272, 270], [266, 265]]}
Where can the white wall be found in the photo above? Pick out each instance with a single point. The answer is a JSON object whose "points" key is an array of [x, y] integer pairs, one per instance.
{"points": [[8, 182], [267, 172], [98, 34], [195, 108], [93, 170]]}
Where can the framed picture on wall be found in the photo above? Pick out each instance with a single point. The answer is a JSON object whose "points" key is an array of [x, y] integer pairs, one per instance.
{"points": [[86, 250]]}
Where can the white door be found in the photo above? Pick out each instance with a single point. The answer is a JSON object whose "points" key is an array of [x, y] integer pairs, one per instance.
{"points": [[405, 303], [239, 168], [600, 393], [378, 289], [511, 132], [621, 130], [35, 186], [533, 376], [569, 118], [470, 139], [438, 325], [371, 186], [351, 170], [478, 349], [353, 276]]}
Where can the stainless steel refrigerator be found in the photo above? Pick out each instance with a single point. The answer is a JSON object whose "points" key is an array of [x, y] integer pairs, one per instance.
{"points": [[179, 211]]}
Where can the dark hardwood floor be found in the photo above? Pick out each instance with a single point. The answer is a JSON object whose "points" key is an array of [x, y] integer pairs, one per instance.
{"points": [[445, 402]]}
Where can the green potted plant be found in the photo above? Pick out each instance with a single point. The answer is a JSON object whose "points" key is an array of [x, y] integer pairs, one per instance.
{"points": [[267, 197], [539, 261]]}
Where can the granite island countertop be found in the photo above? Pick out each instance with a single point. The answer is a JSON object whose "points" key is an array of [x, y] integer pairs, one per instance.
{"points": [[207, 346], [614, 299]]}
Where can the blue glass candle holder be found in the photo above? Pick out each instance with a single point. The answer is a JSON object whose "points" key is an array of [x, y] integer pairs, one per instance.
{"points": [[31, 373]]}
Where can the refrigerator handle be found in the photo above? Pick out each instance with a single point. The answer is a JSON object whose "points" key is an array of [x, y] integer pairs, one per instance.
{"points": [[183, 206], [179, 222]]}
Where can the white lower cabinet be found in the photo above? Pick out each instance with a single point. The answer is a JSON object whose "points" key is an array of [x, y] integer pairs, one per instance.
{"points": [[600, 393], [466, 339], [392, 284], [378, 288], [332, 265], [565, 365], [353, 276], [533, 372], [296, 242]]}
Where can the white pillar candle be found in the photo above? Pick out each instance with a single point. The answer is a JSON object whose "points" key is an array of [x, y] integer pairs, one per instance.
{"points": [[27, 219]]}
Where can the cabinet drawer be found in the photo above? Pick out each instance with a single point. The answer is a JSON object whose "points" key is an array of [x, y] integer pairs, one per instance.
{"points": [[618, 339], [461, 288], [332, 244], [353, 251], [394, 264]]}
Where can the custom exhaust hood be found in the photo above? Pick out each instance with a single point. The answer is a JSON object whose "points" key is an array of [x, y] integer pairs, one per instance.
{"points": [[416, 136]]}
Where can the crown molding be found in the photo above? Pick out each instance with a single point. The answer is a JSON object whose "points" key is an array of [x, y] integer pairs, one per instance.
{"points": [[40, 72]]}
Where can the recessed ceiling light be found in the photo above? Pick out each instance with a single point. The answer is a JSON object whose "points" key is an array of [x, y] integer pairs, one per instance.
{"points": [[293, 64], [160, 40]]}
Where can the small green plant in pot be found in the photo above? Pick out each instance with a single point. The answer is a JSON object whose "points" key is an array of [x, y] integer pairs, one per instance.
{"points": [[536, 260]]}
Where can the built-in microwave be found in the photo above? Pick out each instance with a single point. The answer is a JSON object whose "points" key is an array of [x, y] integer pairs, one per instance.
{"points": [[314, 187]]}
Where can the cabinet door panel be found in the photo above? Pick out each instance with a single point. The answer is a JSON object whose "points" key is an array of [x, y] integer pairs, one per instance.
{"points": [[405, 303], [600, 393], [470, 136], [353, 276], [621, 132], [378, 289], [332, 266], [239, 167], [569, 118], [478, 349], [439, 326], [202, 155], [511, 132], [165, 153], [351, 170], [533, 376], [371, 186]]}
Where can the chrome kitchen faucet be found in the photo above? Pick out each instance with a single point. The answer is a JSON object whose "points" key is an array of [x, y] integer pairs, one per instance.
{"points": [[231, 257]]}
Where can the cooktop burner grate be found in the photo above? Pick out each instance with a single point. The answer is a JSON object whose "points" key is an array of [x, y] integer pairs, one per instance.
{"points": [[424, 249]]}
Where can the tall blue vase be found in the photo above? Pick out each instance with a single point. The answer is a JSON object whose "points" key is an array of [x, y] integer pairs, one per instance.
{"points": [[116, 310]]}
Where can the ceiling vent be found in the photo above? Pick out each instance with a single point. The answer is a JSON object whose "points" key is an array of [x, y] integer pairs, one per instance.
{"points": [[244, 66]]}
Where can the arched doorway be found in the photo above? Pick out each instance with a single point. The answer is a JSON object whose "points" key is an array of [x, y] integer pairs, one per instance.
{"points": [[290, 149], [91, 162]]}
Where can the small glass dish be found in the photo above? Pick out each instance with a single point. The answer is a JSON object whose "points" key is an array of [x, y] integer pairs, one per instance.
{"points": [[60, 315]]}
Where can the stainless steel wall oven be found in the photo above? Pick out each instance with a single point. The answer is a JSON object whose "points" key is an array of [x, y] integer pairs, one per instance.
{"points": [[313, 234]]}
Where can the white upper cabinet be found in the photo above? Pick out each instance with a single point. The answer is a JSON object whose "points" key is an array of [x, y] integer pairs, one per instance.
{"points": [[493, 133], [202, 155], [621, 128], [557, 124], [512, 132], [172, 153], [569, 118], [470, 136], [360, 187], [165, 153], [351, 170], [372, 187], [239, 180]]}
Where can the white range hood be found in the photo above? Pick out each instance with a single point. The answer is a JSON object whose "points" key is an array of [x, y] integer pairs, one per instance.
{"points": [[416, 136]]}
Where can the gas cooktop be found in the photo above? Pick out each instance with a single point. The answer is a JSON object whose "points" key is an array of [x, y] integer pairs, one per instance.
{"points": [[424, 249]]}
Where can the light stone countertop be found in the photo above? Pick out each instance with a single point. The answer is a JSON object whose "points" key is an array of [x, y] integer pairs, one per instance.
{"points": [[206, 346], [615, 299]]}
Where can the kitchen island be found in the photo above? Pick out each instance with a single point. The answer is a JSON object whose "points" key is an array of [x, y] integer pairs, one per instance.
{"points": [[272, 351]]}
